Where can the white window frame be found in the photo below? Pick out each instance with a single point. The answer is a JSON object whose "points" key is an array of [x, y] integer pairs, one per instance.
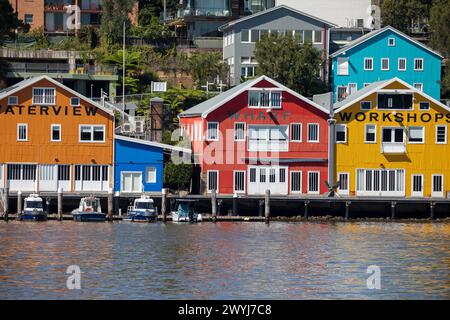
{"points": [[301, 131], [270, 106], [75, 105], [318, 182], [441, 193], [350, 85], [345, 132], [207, 180], [345, 95], [208, 136], [405, 136], [344, 191], [368, 59], [421, 86], [384, 59], [147, 171], [318, 133], [423, 62], [250, 146], [92, 133], [301, 182], [423, 134], [391, 44], [314, 37], [10, 103], [361, 105], [234, 181], [44, 88], [365, 133], [340, 71], [398, 64], [244, 131], [51, 132], [19, 125], [122, 173], [436, 133]]}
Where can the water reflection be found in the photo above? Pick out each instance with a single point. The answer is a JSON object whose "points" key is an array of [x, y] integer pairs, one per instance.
{"points": [[224, 260]]}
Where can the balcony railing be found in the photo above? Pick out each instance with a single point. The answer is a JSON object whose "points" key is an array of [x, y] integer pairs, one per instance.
{"points": [[393, 147], [203, 12], [35, 67]]}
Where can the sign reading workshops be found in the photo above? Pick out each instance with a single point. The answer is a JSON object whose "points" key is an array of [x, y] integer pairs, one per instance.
{"points": [[408, 117], [48, 110]]}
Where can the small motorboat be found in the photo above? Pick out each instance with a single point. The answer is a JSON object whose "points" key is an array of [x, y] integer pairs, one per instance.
{"points": [[185, 211], [143, 210], [33, 209], [89, 210]]}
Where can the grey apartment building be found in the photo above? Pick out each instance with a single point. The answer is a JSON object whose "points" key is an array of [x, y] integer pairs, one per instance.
{"points": [[240, 36]]}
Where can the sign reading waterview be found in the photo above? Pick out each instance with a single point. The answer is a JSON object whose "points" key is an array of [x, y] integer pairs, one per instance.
{"points": [[48, 110]]}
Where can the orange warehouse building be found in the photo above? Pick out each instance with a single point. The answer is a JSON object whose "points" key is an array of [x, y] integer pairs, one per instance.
{"points": [[53, 137]]}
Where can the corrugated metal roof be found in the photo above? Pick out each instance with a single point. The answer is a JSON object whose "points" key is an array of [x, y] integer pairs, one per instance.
{"points": [[269, 11], [374, 33], [199, 109], [355, 96]]}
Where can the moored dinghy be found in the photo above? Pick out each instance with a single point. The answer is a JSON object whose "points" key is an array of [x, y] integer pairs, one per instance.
{"points": [[33, 209], [143, 210], [89, 210], [185, 211]]}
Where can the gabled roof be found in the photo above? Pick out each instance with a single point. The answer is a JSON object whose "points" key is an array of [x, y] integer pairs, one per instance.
{"points": [[152, 144], [374, 33], [269, 11], [376, 86], [28, 82], [208, 106]]}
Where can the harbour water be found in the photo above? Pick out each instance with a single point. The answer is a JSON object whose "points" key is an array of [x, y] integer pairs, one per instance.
{"points": [[227, 260]]}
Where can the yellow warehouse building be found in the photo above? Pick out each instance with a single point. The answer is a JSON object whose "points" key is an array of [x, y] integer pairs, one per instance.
{"points": [[392, 141]]}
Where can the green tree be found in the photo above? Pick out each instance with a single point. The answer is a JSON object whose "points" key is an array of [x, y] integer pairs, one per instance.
{"points": [[440, 27], [290, 63], [149, 8], [114, 14], [207, 66], [8, 20], [132, 69], [400, 13], [177, 176], [152, 29]]}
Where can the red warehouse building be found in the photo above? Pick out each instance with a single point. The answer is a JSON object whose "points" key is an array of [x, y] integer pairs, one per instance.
{"points": [[256, 136]]}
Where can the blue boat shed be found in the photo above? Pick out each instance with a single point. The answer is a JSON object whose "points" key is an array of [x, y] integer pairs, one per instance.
{"points": [[381, 55], [139, 164]]}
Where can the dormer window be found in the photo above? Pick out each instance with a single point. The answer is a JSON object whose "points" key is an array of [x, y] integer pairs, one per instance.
{"points": [[44, 96], [74, 101], [13, 100], [391, 42], [264, 99]]}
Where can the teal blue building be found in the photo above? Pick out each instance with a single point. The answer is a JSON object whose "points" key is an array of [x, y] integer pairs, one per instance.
{"points": [[139, 164], [385, 54]]}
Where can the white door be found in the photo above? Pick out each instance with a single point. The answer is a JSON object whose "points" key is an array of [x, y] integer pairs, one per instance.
{"points": [[417, 185], [262, 178], [437, 185], [131, 181], [48, 177]]}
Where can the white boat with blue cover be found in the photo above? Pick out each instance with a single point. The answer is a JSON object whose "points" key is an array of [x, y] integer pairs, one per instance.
{"points": [[143, 210], [89, 210], [33, 209], [185, 211]]}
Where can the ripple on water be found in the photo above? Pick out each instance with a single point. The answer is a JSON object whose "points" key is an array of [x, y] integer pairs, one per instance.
{"points": [[224, 260]]}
